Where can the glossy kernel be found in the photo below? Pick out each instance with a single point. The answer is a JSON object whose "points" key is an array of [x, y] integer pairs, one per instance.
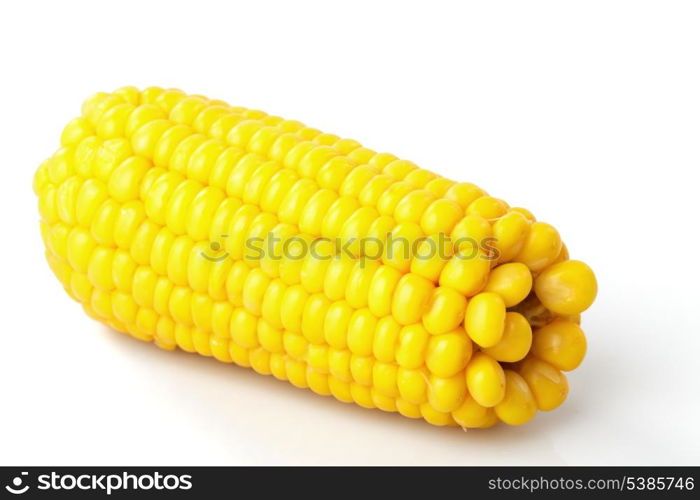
{"points": [[448, 353], [549, 386], [485, 319], [516, 340], [486, 380], [466, 272], [568, 287], [445, 310], [560, 343], [518, 405], [541, 247], [512, 281], [411, 298]]}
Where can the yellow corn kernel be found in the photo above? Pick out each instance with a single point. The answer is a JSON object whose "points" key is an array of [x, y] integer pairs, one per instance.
{"points": [[435, 417], [466, 272], [472, 231], [337, 274], [317, 357], [516, 340], [377, 234], [99, 270], [362, 395], [312, 273], [386, 336], [370, 192], [296, 373], [399, 169], [566, 288], [379, 160], [447, 394], [313, 317], [254, 288], [431, 257], [487, 207], [412, 385], [419, 177], [336, 323], [389, 199], [91, 195], [318, 382], [76, 130], [272, 303], [541, 247], [333, 173], [510, 233], [276, 262], [361, 328], [512, 281], [278, 365], [221, 319], [336, 216], [356, 228], [381, 290], [561, 343], [464, 193], [400, 245], [384, 379], [413, 206], [563, 256], [439, 186], [260, 361], [292, 309], [518, 405], [339, 364], [485, 380], [271, 338], [384, 403], [340, 390], [448, 353], [276, 190], [411, 298], [413, 342], [295, 345], [79, 246], [485, 319], [548, 384], [359, 281], [471, 415], [408, 410], [445, 310], [290, 265], [311, 220], [441, 216], [292, 207], [244, 328], [361, 369], [357, 179]]}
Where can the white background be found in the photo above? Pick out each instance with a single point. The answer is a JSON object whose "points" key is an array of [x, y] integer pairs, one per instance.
{"points": [[588, 113]]}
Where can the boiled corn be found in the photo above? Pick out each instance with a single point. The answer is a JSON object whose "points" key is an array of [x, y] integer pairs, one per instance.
{"points": [[163, 214]]}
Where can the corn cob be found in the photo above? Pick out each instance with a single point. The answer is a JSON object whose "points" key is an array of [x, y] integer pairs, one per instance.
{"points": [[149, 207]]}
